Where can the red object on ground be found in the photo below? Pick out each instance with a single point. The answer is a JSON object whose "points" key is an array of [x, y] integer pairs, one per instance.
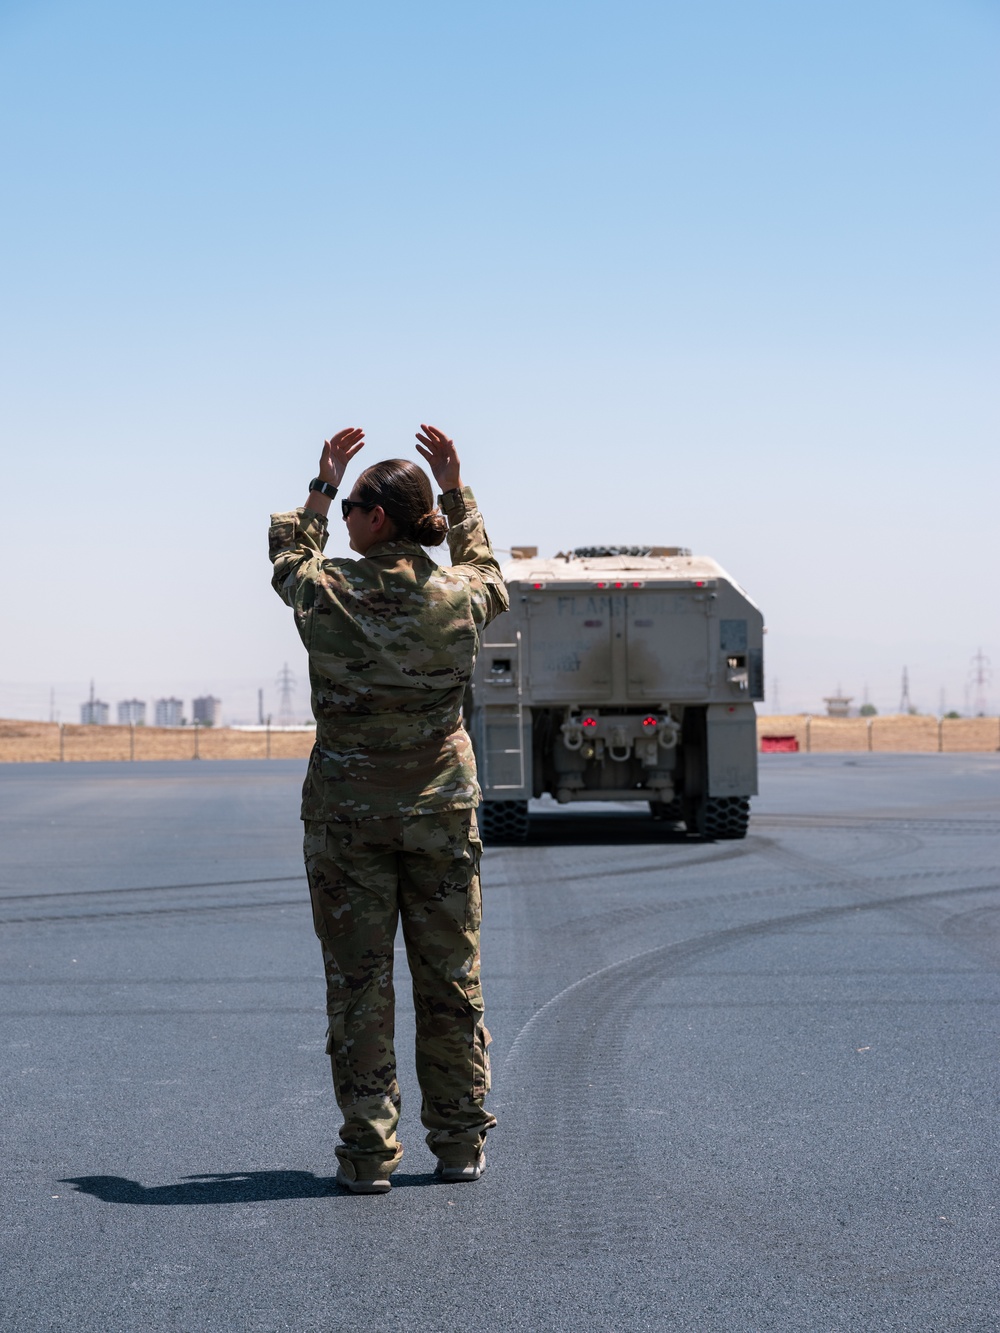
{"points": [[779, 744]]}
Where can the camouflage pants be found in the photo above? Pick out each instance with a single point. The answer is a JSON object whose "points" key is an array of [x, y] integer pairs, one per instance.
{"points": [[364, 875]]}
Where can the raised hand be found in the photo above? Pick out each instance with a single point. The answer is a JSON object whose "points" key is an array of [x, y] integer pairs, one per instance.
{"points": [[440, 453], [338, 452]]}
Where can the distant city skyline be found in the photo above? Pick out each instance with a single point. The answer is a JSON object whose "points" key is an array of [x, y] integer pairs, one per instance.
{"points": [[61, 701]]}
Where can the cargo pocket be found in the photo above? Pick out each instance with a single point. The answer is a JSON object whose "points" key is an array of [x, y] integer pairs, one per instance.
{"points": [[474, 911], [314, 855], [481, 1061], [474, 905], [313, 841], [335, 1037]]}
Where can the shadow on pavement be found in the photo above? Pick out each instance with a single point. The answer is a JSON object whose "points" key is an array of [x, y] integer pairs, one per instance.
{"points": [[581, 829], [225, 1187]]}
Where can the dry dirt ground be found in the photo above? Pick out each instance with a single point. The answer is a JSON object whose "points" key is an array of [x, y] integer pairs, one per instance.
{"points": [[34, 742], [890, 733], [41, 742]]}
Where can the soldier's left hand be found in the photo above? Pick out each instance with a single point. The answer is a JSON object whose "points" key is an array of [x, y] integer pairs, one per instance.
{"points": [[338, 452], [442, 455]]}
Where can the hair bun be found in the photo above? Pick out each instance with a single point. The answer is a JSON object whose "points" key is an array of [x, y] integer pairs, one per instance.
{"points": [[404, 491], [430, 530]]}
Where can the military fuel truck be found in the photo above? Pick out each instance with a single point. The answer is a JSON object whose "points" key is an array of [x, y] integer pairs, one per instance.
{"points": [[619, 674]]}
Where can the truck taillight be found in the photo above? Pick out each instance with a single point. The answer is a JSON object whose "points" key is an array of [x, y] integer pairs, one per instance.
{"points": [[649, 723], [589, 722]]}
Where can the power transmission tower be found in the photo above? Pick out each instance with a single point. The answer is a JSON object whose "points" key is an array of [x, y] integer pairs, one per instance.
{"points": [[286, 689], [980, 675], [904, 699]]}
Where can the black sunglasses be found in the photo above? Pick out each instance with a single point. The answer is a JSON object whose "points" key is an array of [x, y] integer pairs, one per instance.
{"points": [[347, 505]]}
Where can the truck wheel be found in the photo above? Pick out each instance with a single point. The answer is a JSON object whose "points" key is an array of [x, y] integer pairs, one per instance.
{"points": [[503, 821], [726, 817]]}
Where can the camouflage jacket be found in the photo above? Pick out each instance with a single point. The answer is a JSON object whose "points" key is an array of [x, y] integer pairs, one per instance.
{"points": [[392, 639]]}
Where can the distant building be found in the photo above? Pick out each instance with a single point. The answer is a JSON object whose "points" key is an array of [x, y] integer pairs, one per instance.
{"points": [[169, 712], [131, 712], [838, 705], [94, 712], [205, 711]]}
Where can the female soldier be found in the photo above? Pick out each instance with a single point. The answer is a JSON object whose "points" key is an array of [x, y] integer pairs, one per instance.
{"points": [[390, 795]]}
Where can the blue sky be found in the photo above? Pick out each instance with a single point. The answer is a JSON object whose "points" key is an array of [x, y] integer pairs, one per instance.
{"points": [[722, 275]]}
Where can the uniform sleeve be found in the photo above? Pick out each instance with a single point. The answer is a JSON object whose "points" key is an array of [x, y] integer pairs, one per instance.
{"points": [[296, 542], [472, 555]]}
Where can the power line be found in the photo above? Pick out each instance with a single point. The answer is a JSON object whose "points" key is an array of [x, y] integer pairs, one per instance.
{"points": [[286, 690], [904, 699], [980, 676]]}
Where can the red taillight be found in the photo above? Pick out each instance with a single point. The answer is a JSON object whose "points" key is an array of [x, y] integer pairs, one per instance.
{"points": [[538, 585], [699, 583], [649, 721], [619, 585], [590, 722], [602, 585], [636, 585]]}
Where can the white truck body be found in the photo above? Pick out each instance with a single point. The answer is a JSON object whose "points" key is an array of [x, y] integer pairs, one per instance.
{"points": [[620, 677]]}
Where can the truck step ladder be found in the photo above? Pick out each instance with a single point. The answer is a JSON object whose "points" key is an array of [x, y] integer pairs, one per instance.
{"points": [[505, 760]]}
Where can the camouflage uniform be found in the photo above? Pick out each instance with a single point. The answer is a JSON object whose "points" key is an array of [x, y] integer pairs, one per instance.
{"points": [[389, 808]]}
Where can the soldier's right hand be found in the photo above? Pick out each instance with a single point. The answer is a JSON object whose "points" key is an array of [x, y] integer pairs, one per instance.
{"points": [[338, 452]]}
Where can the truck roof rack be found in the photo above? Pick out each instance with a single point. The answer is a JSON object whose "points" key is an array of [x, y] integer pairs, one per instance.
{"points": [[601, 552]]}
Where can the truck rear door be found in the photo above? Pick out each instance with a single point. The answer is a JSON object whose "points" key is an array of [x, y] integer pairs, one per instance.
{"points": [[667, 642], [569, 645]]}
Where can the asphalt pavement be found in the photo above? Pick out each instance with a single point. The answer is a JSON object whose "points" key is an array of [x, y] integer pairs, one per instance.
{"points": [[740, 1086]]}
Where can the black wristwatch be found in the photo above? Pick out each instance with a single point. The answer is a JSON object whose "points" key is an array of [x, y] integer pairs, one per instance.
{"points": [[323, 487]]}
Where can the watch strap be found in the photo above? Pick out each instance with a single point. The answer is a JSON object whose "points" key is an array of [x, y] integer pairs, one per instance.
{"points": [[323, 487]]}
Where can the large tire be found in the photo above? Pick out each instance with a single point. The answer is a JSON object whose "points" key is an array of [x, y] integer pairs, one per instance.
{"points": [[503, 821], [726, 817]]}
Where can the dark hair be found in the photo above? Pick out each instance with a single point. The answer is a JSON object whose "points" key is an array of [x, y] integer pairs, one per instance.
{"points": [[404, 492]]}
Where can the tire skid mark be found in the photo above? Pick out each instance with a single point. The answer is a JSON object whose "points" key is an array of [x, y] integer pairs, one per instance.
{"points": [[903, 822], [597, 923], [665, 867], [579, 1029], [150, 888], [646, 964], [978, 929], [204, 1012], [890, 842], [819, 870], [78, 983], [190, 908]]}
